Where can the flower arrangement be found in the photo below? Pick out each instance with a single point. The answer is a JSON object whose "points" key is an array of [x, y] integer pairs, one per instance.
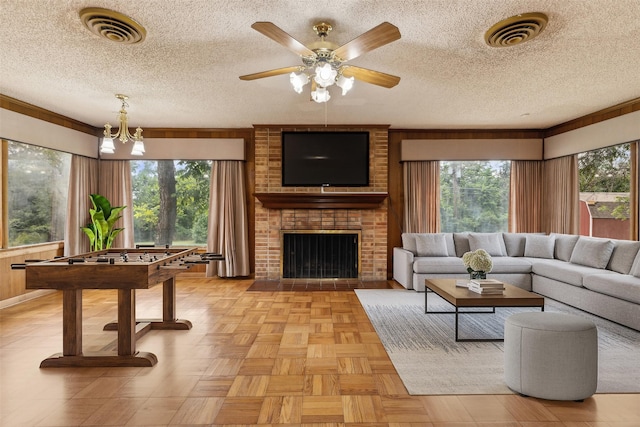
{"points": [[478, 263]]}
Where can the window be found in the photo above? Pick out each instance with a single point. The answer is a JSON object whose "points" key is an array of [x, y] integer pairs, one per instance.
{"points": [[38, 182], [604, 176], [474, 196], [170, 201]]}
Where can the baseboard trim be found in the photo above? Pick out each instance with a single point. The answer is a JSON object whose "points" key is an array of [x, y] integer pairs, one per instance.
{"points": [[25, 297]]}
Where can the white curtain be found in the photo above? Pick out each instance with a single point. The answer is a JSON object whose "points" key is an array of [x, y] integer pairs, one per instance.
{"points": [[115, 184], [228, 228], [83, 181]]}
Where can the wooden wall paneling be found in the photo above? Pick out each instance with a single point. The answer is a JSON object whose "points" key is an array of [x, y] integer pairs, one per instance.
{"points": [[598, 116], [30, 110], [395, 200], [4, 194], [13, 281], [250, 184]]}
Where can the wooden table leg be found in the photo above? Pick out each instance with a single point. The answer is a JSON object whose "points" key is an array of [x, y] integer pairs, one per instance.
{"points": [[169, 300], [72, 355], [72, 322], [169, 320], [126, 322]]}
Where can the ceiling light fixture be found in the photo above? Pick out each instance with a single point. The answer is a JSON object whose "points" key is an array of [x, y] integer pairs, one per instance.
{"points": [[324, 63], [323, 69], [122, 134]]}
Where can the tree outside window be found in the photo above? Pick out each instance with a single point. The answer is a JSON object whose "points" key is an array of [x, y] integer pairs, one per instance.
{"points": [[474, 196], [170, 201], [605, 182]]}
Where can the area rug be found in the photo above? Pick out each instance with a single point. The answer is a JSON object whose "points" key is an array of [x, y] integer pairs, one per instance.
{"points": [[430, 362]]}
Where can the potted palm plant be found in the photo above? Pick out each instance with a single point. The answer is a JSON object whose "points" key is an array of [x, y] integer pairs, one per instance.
{"points": [[101, 230]]}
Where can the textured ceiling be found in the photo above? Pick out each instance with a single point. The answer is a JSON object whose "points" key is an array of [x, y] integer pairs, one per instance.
{"points": [[185, 73]]}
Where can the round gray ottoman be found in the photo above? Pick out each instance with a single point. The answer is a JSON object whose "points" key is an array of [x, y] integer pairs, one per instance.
{"points": [[551, 355]]}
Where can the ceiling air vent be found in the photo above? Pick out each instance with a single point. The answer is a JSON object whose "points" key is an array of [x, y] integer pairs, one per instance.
{"points": [[515, 30], [112, 25]]}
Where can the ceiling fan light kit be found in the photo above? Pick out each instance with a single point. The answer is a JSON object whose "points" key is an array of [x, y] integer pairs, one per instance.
{"points": [[324, 62]]}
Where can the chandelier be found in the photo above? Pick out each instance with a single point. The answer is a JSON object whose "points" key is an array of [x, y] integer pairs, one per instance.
{"points": [[322, 70], [122, 134]]}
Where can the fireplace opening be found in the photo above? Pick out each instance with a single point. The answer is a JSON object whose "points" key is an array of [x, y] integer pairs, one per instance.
{"points": [[320, 255]]}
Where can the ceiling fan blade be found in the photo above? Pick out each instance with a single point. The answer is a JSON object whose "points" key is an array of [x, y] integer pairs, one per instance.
{"points": [[372, 39], [276, 34], [370, 76], [270, 73]]}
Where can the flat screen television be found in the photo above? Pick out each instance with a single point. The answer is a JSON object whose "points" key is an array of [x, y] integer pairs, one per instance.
{"points": [[326, 159]]}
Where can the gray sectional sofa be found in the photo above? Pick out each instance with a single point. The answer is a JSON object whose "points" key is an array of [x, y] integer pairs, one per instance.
{"points": [[600, 276]]}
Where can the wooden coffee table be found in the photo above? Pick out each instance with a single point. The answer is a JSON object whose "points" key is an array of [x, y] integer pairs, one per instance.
{"points": [[461, 297]]}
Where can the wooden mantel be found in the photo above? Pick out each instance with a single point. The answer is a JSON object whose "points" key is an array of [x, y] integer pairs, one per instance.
{"points": [[321, 200]]}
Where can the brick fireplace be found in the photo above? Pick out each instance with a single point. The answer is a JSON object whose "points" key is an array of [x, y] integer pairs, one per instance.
{"points": [[369, 220]]}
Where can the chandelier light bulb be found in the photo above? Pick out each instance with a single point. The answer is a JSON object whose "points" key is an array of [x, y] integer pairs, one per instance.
{"points": [[138, 148], [320, 95], [325, 75], [298, 81], [345, 83], [107, 146]]}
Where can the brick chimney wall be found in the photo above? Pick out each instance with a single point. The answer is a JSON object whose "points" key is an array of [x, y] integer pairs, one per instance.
{"points": [[269, 222]]}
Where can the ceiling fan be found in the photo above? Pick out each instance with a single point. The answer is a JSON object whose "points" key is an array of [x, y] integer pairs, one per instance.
{"points": [[324, 63]]}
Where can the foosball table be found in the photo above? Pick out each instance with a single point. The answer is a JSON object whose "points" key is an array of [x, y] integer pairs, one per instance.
{"points": [[124, 270]]}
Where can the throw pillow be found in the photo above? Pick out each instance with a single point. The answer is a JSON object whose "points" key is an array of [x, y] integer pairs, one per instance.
{"points": [[461, 241], [539, 246], [623, 255], [490, 242], [409, 242], [564, 245], [592, 253], [635, 268], [514, 242], [431, 245]]}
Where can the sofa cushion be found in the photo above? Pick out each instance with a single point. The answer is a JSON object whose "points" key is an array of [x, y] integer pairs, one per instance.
{"points": [[448, 265], [564, 245], [620, 286], [461, 241], [493, 243], [592, 252], [623, 255], [431, 245], [635, 268], [409, 242], [514, 243], [572, 274], [539, 246], [510, 265]]}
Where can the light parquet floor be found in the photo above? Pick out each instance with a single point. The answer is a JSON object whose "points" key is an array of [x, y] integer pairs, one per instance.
{"points": [[252, 358]]}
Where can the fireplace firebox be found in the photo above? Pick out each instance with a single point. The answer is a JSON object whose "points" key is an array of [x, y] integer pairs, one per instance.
{"points": [[320, 254]]}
